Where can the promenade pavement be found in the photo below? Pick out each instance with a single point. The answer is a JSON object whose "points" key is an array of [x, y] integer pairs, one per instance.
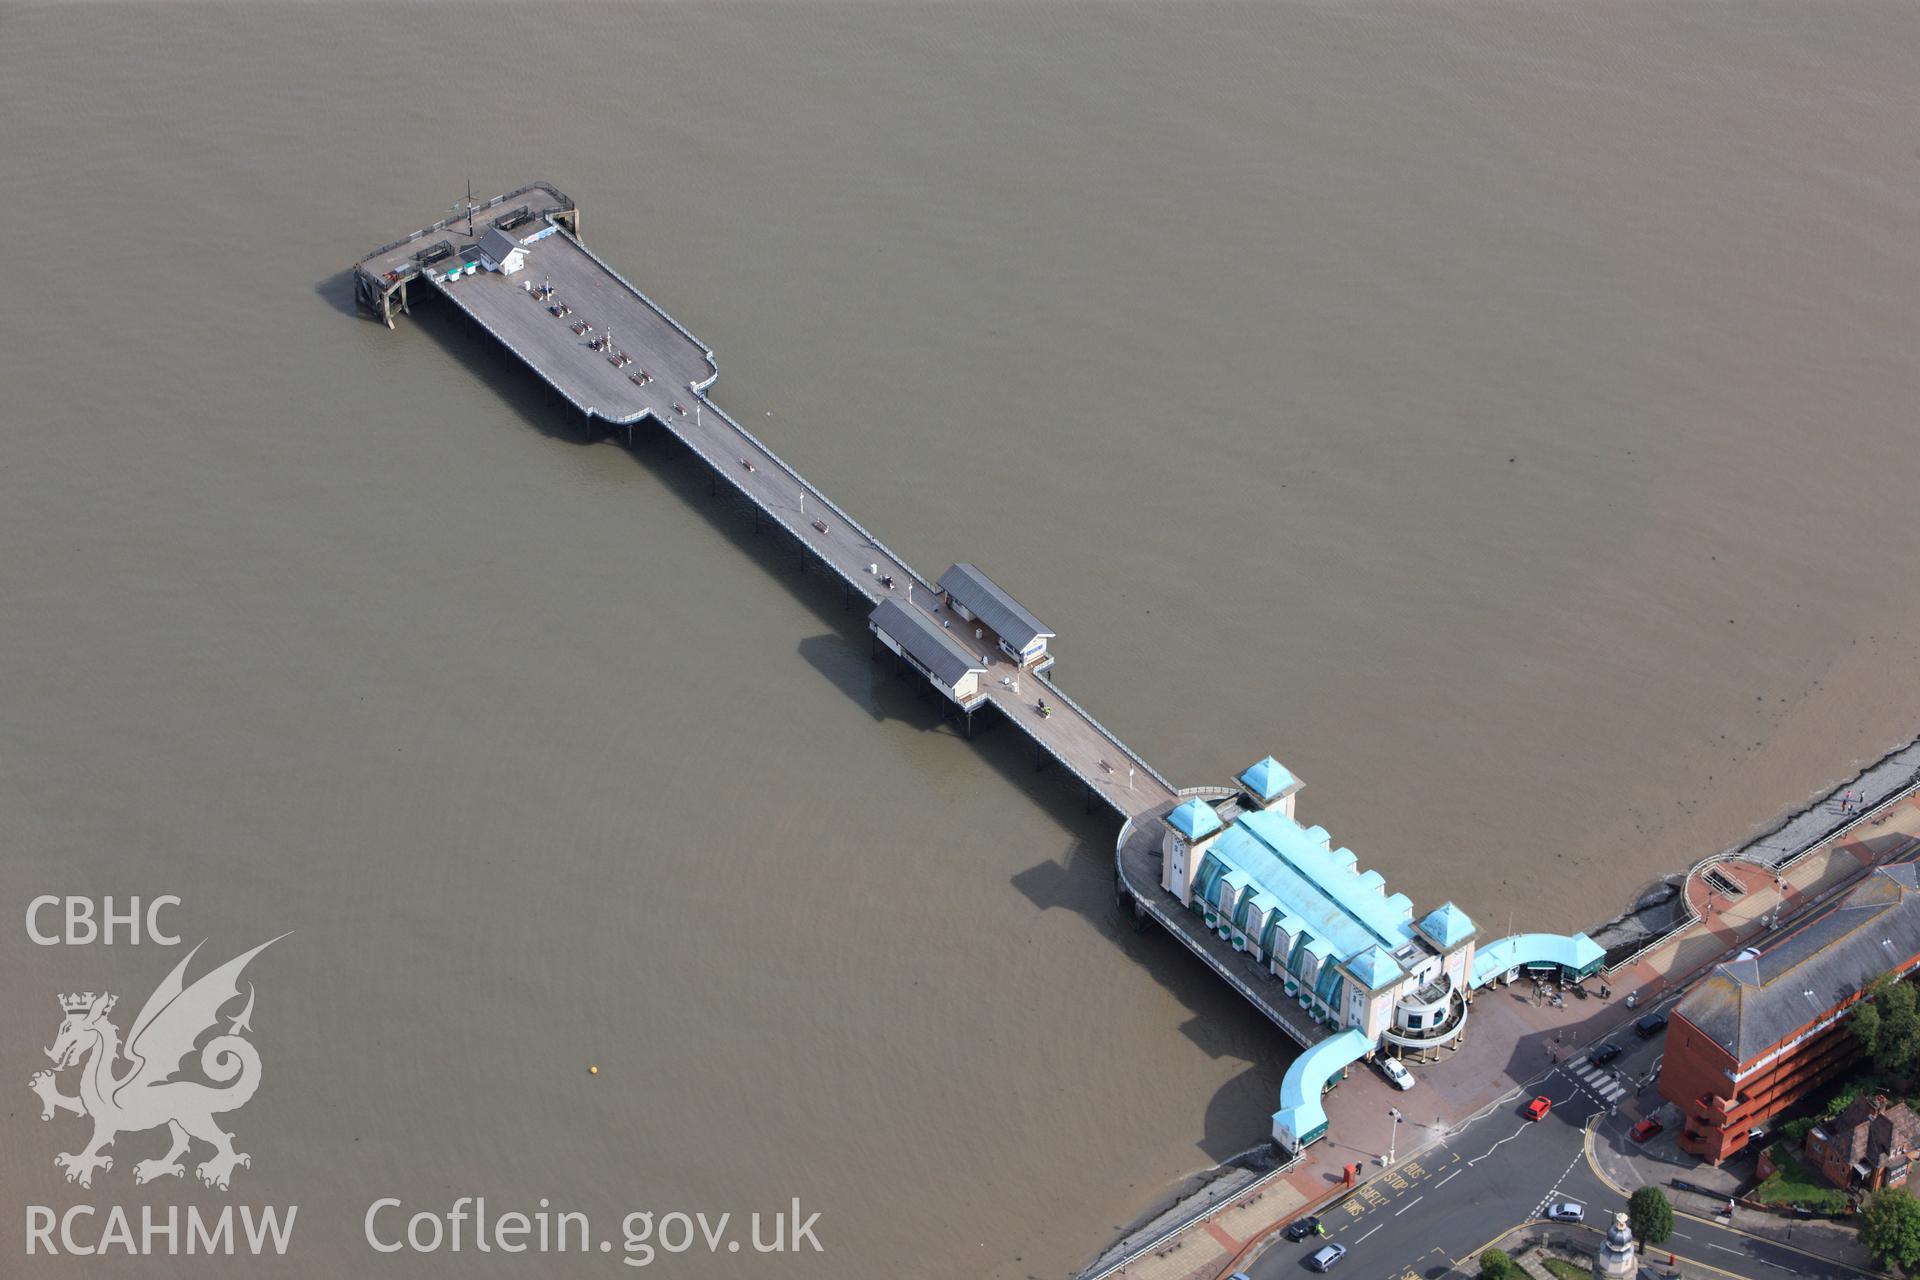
{"points": [[1512, 1042]]}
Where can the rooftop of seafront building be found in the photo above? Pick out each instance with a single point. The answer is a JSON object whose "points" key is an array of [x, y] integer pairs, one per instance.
{"points": [[1447, 926], [1321, 886], [1194, 819], [1269, 779], [1748, 1005], [1344, 913]]}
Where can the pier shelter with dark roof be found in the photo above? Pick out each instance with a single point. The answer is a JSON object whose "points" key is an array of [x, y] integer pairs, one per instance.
{"points": [[978, 598], [932, 650]]}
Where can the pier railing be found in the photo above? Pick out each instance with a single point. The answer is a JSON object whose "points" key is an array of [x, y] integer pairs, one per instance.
{"points": [[658, 310], [1778, 868], [1245, 1195], [1106, 733], [493, 203], [1306, 1035], [700, 390], [778, 461]]}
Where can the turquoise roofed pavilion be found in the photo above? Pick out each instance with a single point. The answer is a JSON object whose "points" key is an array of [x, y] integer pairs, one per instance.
{"points": [[1356, 971], [1341, 945]]}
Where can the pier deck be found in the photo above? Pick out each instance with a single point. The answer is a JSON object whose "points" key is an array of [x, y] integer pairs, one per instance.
{"points": [[1137, 856], [682, 369], [587, 378], [1070, 735], [390, 264]]}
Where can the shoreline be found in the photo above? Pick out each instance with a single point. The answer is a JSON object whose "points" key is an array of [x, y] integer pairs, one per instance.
{"points": [[1656, 911], [1658, 908]]}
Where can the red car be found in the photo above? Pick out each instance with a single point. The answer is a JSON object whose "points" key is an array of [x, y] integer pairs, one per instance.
{"points": [[1538, 1108], [1646, 1129]]}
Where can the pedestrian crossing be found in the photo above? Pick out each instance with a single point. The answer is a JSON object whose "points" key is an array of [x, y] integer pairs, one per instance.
{"points": [[1602, 1085]]}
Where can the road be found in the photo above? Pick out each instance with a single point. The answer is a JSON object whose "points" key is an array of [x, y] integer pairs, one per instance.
{"points": [[1423, 1216]]}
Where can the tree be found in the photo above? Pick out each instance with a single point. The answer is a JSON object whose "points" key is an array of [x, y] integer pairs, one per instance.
{"points": [[1890, 1226], [1649, 1215], [1495, 1265], [1887, 1022]]}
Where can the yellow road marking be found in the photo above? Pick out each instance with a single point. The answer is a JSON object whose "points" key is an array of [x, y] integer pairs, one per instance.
{"points": [[1586, 1146]]}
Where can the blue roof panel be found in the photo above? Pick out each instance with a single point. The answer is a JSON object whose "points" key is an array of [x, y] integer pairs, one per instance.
{"points": [[1301, 1112], [1195, 819], [1268, 778], [1388, 921], [1576, 953], [1320, 914], [1448, 925], [1375, 968]]}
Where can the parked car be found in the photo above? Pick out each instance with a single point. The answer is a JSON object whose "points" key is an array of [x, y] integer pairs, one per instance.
{"points": [[1651, 1025], [1645, 1129], [1538, 1108], [1756, 1133], [1323, 1261], [1568, 1211], [1298, 1231], [1399, 1076], [1604, 1053]]}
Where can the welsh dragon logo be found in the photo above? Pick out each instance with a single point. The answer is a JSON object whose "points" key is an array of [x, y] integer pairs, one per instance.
{"points": [[146, 1095]]}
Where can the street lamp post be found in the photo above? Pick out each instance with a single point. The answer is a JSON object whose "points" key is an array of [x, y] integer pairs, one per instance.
{"points": [[1393, 1137]]}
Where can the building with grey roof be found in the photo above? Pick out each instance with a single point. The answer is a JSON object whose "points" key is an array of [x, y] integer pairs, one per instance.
{"points": [[1765, 1029], [1872, 1144], [501, 252], [931, 650], [976, 597]]}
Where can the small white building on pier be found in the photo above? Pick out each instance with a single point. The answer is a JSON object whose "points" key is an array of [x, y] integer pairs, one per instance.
{"points": [[501, 252]]}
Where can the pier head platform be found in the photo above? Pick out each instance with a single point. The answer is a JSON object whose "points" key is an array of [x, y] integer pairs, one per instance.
{"points": [[1316, 945]]}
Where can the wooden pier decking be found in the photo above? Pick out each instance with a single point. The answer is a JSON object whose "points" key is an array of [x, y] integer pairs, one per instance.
{"points": [[665, 379], [1137, 861], [681, 370]]}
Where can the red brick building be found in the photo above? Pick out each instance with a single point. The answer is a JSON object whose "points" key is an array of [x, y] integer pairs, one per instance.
{"points": [[1763, 1031], [1869, 1146]]}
